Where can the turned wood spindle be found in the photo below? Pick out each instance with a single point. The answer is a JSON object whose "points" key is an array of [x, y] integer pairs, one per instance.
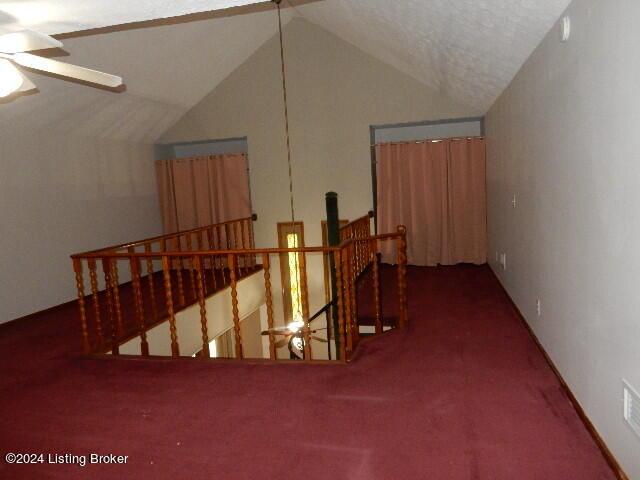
{"points": [[192, 277], [376, 287], [203, 263], [227, 236], [236, 246], [150, 280], [243, 235], [115, 285], [234, 304], [354, 306], [269, 301], [203, 308], [77, 268], [252, 243], [106, 268], [304, 289], [166, 269], [134, 264], [93, 276], [181, 297], [212, 259], [340, 335], [223, 268], [304, 298], [402, 276], [346, 276]]}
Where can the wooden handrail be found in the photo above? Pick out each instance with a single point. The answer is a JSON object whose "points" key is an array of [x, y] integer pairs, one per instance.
{"points": [[121, 313], [167, 236], [358, 221], [222, 253]]}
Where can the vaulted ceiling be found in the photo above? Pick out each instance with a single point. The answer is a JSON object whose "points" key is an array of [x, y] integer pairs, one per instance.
{"points": [[469, 50]]}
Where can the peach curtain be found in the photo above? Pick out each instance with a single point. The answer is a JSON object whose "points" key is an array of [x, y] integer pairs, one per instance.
{"points": [[438, 190], [200, 191]]}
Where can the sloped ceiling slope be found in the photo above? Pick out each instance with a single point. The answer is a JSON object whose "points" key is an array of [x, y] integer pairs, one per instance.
{"points": [[62, 16], [167, 69], [468, 49]]}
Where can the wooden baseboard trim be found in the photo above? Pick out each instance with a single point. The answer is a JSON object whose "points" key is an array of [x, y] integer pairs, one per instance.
{"points": [[608, 455]]}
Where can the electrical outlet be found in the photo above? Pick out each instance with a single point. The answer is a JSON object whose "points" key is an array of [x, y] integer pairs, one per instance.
{"points": [[539, 307], [503, 261], [514, 202]]}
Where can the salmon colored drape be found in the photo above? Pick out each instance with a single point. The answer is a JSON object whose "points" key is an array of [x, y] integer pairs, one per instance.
{"points": [[200, 191], [438, 190]]}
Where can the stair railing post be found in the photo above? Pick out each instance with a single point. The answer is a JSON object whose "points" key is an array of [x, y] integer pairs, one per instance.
{"points": [[335, 264], [402, 276], [77, 268]]}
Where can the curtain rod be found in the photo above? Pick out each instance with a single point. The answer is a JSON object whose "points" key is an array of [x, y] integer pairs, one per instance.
{"points": [[428, 140]]}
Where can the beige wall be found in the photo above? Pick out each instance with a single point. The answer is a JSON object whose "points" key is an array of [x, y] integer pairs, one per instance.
{"points": [[219, 320], [564, 139], [336, 92], [74, 175]]}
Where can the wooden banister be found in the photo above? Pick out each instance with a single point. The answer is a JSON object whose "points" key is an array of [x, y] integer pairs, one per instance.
{"points": [[130, 310], [160, 238]]}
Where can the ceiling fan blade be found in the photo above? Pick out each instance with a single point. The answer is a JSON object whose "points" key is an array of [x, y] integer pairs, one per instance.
{"points": [[278, 331], [66, 70], [282, 343], [26, 41], [27, 85], [319, 339], [12, 79]]}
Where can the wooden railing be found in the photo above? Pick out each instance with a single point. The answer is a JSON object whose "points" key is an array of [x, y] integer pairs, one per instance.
{"points": [[233, 234], [175, 278], [356, 230]]}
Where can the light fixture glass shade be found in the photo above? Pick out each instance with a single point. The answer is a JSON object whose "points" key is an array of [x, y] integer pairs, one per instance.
{"points": [[10, 78]]}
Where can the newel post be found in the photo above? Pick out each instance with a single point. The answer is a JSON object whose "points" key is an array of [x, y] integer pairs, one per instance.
{"points": [[333, 237]]}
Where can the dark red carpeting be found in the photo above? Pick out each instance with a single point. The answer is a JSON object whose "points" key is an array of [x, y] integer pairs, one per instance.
{"points": [[463, 394]]}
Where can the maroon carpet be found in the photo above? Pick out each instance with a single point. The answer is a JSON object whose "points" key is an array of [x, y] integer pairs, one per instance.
{"points": [[463, 394]]}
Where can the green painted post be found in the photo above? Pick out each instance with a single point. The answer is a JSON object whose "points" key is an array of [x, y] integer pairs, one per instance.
{"points": [[333, 237]]}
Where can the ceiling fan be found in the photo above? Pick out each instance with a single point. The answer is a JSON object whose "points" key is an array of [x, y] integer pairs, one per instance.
{"points": [[13, 50], [293, 337]]}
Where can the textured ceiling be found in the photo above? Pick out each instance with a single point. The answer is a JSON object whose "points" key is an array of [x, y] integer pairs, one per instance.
{"points": [[61, 16], [468, 49]]}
